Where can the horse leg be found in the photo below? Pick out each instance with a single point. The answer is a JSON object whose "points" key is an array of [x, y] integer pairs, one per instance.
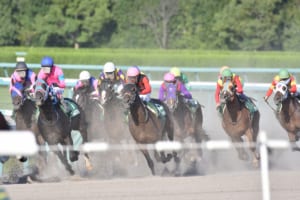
{"points": [[241, 151], [65, 162], [149, 160], [73, 154], [252, 136], [293, 139], [161, 156], [84, 134]]}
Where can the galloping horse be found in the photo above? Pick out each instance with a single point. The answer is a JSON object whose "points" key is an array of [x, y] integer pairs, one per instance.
{"points": [[3, 126], [237, 121], [189, 120], [92, 111], [288, 112], [146, 127], [55, 126], [25, 109], [114, 118]]}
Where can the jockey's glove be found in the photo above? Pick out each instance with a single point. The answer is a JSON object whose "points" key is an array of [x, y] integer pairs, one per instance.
{"points": [[293, 94], [266, 98]]}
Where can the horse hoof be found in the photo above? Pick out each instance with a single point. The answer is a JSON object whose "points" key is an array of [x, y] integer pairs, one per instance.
{"points": [[23, 159], [244, 156]]}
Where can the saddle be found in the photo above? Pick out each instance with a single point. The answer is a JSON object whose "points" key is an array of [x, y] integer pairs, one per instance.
{"points": [[156, 108], [69, 107]]}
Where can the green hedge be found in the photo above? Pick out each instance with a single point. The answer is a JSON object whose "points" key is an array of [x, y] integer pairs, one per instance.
{"points": [[156, 57]]}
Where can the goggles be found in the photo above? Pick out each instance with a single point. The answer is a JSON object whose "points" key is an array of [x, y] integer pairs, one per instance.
{"points": [[131, 79], [46, 70], [21, 73]]}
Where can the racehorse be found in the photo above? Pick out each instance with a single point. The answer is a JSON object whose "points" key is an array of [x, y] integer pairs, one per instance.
{"points": [[188, 119], [92, 111], [237, 121], [146, 127], [55, 126], [114, 118], [288, 112], [3, 123], [25, 109]]}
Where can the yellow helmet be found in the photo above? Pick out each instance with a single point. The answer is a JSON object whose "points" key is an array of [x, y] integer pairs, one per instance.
{"points": [[223, 68], [175, 71]]}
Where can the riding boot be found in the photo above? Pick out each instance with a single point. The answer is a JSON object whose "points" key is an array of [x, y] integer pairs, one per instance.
{"points": [[65, 106], [192, 105]]}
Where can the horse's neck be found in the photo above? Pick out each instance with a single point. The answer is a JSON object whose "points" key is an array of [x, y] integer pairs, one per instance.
{"points": [[234, 108], [139, 111], [49, 111]]}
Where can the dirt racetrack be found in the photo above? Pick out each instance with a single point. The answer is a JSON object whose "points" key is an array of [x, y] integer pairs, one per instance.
{"points": [[229, 186], [223, 175]]}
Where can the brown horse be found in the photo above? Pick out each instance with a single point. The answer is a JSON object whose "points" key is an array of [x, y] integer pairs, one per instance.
{"points": [[237, 121], [288, 112], [146, 127], [189, 119]]}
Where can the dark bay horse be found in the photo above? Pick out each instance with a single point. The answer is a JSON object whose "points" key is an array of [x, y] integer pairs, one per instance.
{"points": [[237, 122], [92, 111], [288, 112], [114, 118], [189, 121], [3, 126], [55, 126], [24, 108], [145, 127]]}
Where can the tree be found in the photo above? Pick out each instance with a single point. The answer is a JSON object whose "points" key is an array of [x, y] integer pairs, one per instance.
{"points": [[73, 22]]}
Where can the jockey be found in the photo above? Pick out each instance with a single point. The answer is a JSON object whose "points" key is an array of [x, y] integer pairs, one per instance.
{"points": [[86, 81], [180, 76], [111, 72], [169, 78], [142, 82], [224, 68], [227, 75], [54, 77], [24, 76], [290, 81]]}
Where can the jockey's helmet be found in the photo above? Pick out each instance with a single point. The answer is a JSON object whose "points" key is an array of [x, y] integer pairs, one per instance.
{"points": [[226, 74], [175, 71], [47, 62], [169, 77], [84, 75], [284, 74], [109, 67], [132, 74], [21, 66], [223, 68], [132, 71]]}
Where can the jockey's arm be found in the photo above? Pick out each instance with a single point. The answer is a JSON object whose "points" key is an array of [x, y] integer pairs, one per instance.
{"points": [[185, 92], [161, 93], [239, 86], [293, 85], [218, 90], [147, 86]]}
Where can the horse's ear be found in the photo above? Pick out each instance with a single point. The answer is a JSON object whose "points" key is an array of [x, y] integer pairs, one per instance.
{"points": [[134, 89]]}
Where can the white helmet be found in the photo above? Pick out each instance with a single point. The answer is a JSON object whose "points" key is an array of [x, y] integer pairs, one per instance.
{"points": [[109, 67], [84, 75]]}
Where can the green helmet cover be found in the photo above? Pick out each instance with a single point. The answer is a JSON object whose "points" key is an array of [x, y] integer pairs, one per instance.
{"points": [[226, 73], [284, 74]]}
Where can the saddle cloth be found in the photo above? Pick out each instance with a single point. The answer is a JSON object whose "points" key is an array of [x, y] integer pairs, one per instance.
{"points": [[72, 108]]}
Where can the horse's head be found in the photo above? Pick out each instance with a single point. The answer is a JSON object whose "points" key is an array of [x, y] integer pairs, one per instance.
{"points": [[129, 94], [41, 92], [171, 96], [280, 92], [108, 90], [227, 93], [17, 95]]}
